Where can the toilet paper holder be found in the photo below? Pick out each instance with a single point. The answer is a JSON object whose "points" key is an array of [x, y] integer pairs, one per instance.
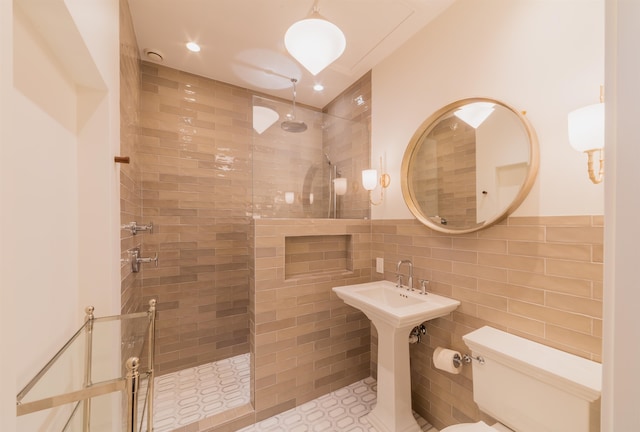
{"points": [[458, 360]]}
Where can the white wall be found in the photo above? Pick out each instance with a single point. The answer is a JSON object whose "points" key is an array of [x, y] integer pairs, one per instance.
{"points": [[621, 392], [60, 217], [7, 314], [542, 56]]}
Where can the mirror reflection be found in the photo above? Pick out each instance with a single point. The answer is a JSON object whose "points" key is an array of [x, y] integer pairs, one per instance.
{"points": [[469, 165]]}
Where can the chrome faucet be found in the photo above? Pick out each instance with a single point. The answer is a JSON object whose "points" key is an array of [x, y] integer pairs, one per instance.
{"points": [[410, 284]]}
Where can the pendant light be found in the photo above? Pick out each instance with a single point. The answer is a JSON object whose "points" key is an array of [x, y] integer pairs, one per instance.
{"points": [[475, 114], [315, 42]]}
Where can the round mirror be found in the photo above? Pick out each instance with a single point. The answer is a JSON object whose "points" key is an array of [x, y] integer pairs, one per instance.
{"points": [[469, 165]]}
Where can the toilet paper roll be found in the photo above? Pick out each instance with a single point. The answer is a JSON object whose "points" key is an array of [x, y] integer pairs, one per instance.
{"points": [[443, 360]]}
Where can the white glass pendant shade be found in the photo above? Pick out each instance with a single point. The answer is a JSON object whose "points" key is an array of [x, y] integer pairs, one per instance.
{"points": [[586, 127], [475, 114], [340, 185], [315, 43], [369, 179], [263, 117]]}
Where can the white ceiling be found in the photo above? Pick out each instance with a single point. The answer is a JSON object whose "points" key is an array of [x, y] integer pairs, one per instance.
{"points": [[242, 40]]}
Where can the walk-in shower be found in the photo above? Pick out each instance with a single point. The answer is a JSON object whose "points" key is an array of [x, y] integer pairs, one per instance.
{"points": [[208, 158]]}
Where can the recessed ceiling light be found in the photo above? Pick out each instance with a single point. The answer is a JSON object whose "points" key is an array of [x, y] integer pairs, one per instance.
{"points": [[193, 47], [318, 87]]}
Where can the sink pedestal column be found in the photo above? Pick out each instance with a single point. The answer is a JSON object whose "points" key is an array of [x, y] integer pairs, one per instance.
{"points": [[392, 412]]}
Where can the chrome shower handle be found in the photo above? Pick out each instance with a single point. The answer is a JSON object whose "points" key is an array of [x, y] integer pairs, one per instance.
{"points": [[133, 227], [153, 259], [136, 260]]}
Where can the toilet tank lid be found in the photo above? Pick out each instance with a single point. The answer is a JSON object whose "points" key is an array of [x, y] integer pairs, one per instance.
{"points": [[571, 373]]}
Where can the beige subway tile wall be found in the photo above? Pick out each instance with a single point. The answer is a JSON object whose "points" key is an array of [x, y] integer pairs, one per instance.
{"points": [[130, 178], [194, 156], [307, 342], [537, 277]]}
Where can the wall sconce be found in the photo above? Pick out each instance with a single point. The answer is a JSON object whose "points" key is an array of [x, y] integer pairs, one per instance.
{"points": [[340, 185], [586, 134], [370, 181], [315, 42], [289, 197]]}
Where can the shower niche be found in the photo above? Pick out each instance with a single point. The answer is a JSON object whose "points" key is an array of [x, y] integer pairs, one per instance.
{"points": [[311, 172], [317, 254]]}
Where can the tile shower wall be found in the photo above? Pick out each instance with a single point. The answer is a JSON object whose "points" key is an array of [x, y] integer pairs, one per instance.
{"points": [[306, 341], [194, 155], [537, 277], [130, 186]]}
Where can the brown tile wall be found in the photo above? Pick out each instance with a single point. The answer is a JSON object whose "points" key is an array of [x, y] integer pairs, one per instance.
{"points": [[130, 180], [306, 341], [194, 155], [536, 277]]}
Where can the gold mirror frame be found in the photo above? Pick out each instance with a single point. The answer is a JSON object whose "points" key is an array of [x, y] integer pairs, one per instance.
{"points": [[423, 132]]}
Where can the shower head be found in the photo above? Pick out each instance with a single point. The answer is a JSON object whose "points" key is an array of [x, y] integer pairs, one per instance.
{"points": [[291, 124], [328, 160]]}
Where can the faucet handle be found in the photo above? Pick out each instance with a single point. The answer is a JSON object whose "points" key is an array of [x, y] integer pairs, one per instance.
{"points": [[399, 281], [424, 283]]}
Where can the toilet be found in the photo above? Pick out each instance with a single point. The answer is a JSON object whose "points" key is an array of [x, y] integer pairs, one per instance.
{"points": [[530, 387]]}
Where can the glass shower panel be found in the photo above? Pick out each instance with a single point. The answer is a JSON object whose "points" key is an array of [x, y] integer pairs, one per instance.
{"points": [[294, 173]]}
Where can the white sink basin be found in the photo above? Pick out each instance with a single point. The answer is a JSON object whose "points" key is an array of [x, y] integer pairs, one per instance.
{"points": [[395, 306], [394, 312]]}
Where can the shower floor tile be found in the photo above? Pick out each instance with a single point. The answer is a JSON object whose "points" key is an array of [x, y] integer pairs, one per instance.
{"points": [[342, 410], [192, 394]]}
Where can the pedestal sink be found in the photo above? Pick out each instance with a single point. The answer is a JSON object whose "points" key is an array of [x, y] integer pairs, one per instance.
{"points": [[394, 311]]}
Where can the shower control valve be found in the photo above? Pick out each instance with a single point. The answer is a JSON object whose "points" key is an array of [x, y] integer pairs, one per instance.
{"points": [[133, 227], [136, 260]]}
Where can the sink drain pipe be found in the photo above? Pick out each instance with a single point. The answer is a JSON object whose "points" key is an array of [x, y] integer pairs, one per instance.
{"points": [[416, 333]]}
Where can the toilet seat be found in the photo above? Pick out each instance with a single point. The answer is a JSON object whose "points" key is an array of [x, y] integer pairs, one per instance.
{"points": [[470, 427]]}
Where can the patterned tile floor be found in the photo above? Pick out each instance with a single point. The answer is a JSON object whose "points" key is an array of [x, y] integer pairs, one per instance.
{"points": [[342, 410], [190, 395]]}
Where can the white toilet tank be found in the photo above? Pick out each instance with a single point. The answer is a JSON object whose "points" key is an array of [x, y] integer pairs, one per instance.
{"points": [[530, 387]]}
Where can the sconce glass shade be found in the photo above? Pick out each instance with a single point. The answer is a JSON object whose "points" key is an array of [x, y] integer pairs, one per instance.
{"points": [[289, 197], [475, 114], [263, 117], [369, 179], [586, 128], [340, 186], [315, 42]]}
